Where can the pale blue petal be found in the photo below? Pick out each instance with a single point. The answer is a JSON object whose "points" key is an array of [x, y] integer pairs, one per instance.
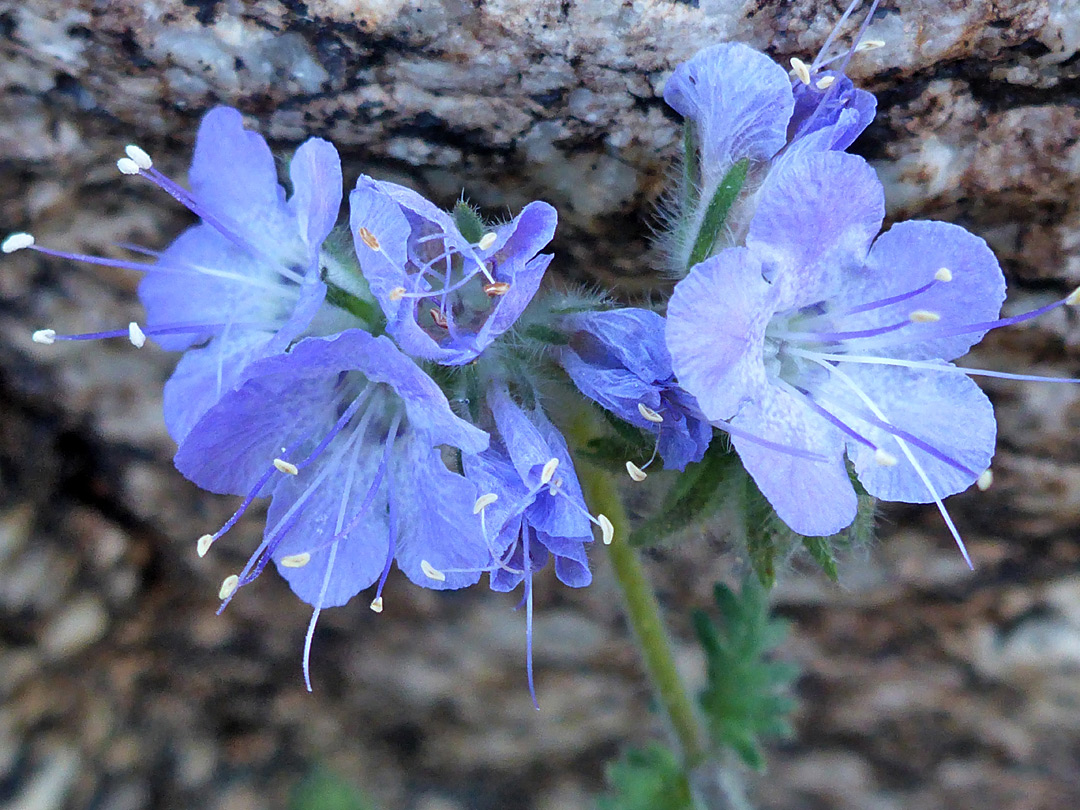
{"points": [[814, 498], [905, 258], [740, 100], [815, 220], [716, 330], [437, 523], [315, 172]]}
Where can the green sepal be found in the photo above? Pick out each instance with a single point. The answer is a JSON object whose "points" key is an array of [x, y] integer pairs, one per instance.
{"points": [[717, 212], [646, 779], [821, 551], [691, 167], [746, 697], [469, 222], [367, 311]]}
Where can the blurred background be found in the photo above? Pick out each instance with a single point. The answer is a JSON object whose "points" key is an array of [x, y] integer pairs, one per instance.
{"points": [[923, 686]]}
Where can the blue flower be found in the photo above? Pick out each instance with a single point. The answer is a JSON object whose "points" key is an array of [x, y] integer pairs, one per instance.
{"points": [[618, 359], [823, 335], [243, 283], [531, 503], [445, 299], [741, 105], [345, 434]]}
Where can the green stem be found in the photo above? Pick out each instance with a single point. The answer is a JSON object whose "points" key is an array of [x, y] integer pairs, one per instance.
{"points": [[644, 613]]}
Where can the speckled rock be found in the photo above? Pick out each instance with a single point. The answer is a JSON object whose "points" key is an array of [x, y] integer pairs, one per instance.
{"points": [[925, 685]]}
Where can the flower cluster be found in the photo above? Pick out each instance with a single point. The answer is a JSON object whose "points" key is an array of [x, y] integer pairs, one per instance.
{"points": [[385, 389]]}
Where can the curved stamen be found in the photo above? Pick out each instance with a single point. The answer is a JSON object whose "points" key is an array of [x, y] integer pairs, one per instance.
{"points": [[739, 432], [883, 302], [143, 267], [527, 565], [49, 336], [838, 337], [189, 201], [835, 421], [928, 332], [923, 365], [391, 503]]}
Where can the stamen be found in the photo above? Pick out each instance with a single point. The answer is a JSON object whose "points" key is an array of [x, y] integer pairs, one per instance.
{"points": [[943, 274], [17, 241], [549, 471], [801, 70], [431, 572], [649, 413], [377, 604], [204, 544], [924, 316], [487, 240], [368, 238], [985, 480], [798, 452], [397, 293], [229, 586], [1074, 298], [825, 82], [127, 166], [483, 502], [884, 458], [438, 317], [869, 45], [606, 528], [142, 160], [286, 467], [497, 288], [136, 335], [636, 472], [46, 337], [296, 560]]}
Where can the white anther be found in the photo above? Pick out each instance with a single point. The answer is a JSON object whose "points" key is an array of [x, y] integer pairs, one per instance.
{"points": [[869, 45], [46, 337], [802, 71], [483, 502], [984, 481], [139, 156], [606, 529], [136, 335], [431, 572], [487, 240], [924, 316], [376, 604], [548, 471], [286, 467], [885, 459], [17, 241], [636, 472], [229, 586], [204, 544], [127, 166], [825, 82], [943, 274], [397, 293], [1074, 298], [296, 560], [649, 413]]}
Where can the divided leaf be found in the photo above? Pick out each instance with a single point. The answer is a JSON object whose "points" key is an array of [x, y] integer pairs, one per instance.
{"points": [[646, 779], [747, 695]]}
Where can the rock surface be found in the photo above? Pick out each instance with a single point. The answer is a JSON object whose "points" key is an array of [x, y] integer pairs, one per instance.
{"points": [[925, 685]]}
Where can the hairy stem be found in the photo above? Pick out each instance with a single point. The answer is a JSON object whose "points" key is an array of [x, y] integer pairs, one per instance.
{"points": [[643, 611]]}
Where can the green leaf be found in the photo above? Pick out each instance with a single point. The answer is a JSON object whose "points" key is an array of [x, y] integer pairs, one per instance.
{"points": [[697, 494], [324, 790], [646, 779], [469, 222], [718, 210], [746, 696]]}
